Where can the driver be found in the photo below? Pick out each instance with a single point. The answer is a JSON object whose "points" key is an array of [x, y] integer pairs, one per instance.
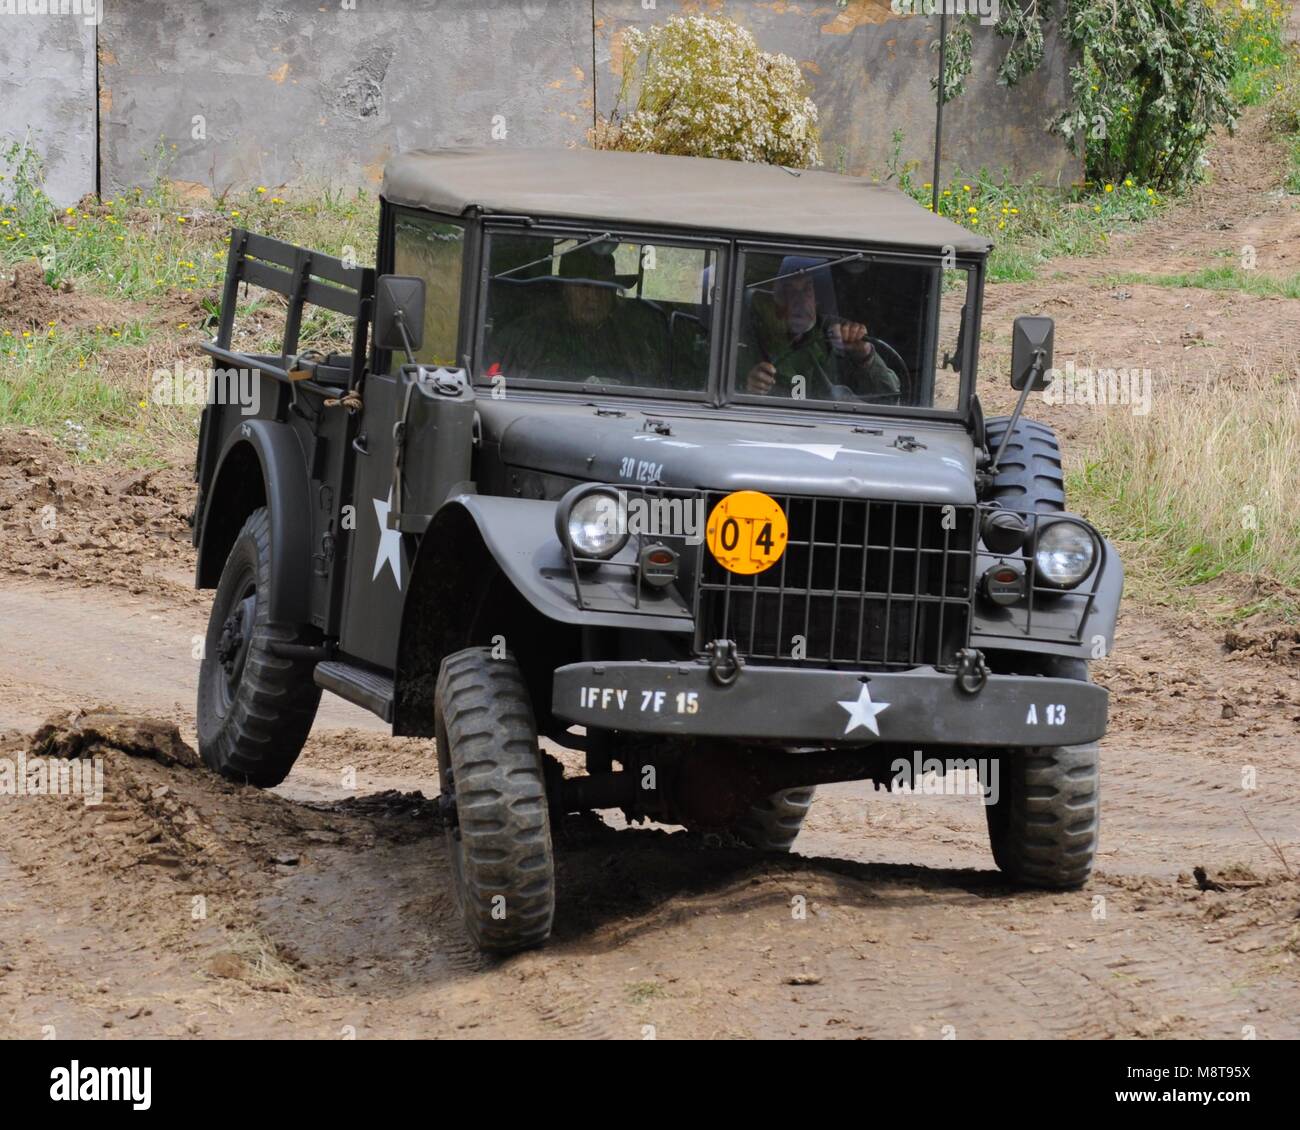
{"points": [[831, 355], [592, 335]]}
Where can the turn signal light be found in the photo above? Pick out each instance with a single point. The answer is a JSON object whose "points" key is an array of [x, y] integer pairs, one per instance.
{"points": [[1004, 583], [658, 566]]}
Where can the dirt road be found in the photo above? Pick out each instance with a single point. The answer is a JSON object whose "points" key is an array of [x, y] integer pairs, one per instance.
{"points": [[326, 905], [186, 906]]}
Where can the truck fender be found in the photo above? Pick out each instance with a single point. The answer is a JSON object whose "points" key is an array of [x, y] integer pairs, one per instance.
{"points": [[472, 539], [272, 450], [519, 533]]}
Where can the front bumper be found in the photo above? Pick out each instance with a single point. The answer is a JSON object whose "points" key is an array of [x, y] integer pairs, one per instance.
{"points": [[922, 706]]}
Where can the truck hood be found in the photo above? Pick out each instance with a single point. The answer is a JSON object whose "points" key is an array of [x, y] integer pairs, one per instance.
{"points": [[907, 460]]}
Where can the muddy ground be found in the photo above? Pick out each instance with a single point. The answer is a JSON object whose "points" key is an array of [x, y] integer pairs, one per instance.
{"points": [[184, 906]]}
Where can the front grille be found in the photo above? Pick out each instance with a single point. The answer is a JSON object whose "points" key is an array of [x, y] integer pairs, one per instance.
{"points": [[872, 585]]}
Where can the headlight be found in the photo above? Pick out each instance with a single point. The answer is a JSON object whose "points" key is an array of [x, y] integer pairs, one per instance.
{"points": [[1064, 553], [590, 521]]}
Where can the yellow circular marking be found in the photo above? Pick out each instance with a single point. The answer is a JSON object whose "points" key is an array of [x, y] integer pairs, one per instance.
{"points": [[747, 532]]}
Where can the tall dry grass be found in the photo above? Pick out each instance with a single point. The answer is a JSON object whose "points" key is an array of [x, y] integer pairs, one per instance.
{"points": [[1207, 484]]}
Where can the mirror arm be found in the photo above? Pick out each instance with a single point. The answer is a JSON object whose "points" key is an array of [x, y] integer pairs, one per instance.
{"points": [[1035, 373], [400, 320]]}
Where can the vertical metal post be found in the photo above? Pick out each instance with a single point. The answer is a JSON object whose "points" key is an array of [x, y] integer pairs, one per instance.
{"points": [[938, 112]]}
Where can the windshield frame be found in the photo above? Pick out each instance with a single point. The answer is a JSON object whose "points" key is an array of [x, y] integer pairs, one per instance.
{"points": [[974, 267], [722, 258]]}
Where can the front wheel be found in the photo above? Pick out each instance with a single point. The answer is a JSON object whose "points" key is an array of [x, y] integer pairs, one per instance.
{"points": [[1043, 825], [499, 839], [255, 709]]}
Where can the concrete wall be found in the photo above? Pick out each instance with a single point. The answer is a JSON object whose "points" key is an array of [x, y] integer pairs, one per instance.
{"points": [[47, 87], [277, 91], [293, 89]]}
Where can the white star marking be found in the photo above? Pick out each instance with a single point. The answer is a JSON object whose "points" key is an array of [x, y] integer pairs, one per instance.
{"points": [[826, 451], [862, 712], [389, 550]]}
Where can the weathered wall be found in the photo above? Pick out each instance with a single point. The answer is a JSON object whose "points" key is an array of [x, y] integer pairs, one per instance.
{"points": [[276, 91], [47, 87], [295, 89]]}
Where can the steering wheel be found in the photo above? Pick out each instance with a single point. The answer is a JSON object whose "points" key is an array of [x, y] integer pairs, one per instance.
{"points": [[895, 361]]}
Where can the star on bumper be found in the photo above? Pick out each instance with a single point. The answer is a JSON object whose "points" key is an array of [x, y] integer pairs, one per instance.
{"points": [[862, 712]]}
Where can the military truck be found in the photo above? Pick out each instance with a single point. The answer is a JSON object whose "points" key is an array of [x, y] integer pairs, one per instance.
{"points": [[677, 464]]}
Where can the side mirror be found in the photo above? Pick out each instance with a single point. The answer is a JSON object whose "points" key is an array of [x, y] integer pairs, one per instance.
{"points": [[399, 313], [1031, 351]]}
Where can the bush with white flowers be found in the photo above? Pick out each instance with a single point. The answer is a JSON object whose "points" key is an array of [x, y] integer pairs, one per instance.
{"points": [[700, 87]]}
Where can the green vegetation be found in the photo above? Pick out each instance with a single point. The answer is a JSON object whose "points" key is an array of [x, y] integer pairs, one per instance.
{"points": [[1030, 223], [152, 263], [1222, 278], [698, 86], [1154, 77]]}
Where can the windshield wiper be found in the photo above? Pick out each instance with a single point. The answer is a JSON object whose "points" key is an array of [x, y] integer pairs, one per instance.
{"points": [[554, 255], [851, 257]]}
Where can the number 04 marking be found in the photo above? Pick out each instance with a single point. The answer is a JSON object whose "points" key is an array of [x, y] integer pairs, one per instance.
{"points": [[747, 532]]}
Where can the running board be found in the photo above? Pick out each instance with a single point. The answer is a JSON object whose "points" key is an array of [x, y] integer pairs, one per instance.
{"points": [[367, 689]]}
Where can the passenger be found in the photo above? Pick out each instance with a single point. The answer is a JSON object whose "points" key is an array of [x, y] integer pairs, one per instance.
{"points": [[832, 355], [593, 335]]}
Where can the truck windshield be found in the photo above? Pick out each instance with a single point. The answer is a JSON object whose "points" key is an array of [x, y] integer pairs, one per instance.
{"points": [[849, 329], [597, 310]]}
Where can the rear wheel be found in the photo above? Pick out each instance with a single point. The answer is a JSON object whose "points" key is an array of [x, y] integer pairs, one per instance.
{"points": [[1043, 827], [255, 709], [499, 842]]}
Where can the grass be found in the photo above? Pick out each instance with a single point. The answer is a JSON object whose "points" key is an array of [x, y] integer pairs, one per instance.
{"points": [[1257, 36], [1267, 70], [1030, 224], [641, 992], [1284, 117], [1205, 485], [160, 260], [1221, 278]]}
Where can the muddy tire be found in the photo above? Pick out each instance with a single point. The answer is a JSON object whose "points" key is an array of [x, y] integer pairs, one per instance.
{"points": [[772, 824], [499, 844], [1029, 477], [255, 709], [1043, 828]]}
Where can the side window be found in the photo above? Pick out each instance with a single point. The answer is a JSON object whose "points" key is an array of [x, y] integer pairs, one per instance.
{"points": [[434, 250]]}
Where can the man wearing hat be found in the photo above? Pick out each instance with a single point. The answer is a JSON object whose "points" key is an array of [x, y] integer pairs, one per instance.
{"points": [[592, 335]]}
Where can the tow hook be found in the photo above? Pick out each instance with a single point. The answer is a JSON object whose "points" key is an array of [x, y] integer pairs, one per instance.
{"points": [[724, 663], [972, 671]]}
